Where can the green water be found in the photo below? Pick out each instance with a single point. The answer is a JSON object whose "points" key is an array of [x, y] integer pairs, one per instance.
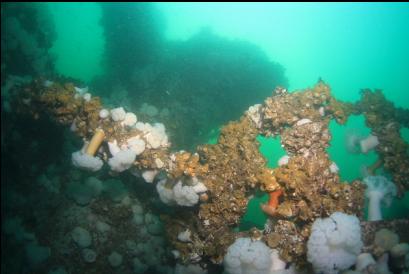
{"points": [[79, 47], [349, 163], [271, 150], [349, 45]]}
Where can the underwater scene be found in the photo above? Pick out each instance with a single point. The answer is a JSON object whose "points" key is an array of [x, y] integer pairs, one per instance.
{"points": [[205, 138]]}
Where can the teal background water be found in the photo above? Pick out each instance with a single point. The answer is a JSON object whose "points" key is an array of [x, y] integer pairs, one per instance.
{"points": [[349, 45], [80, 44]]}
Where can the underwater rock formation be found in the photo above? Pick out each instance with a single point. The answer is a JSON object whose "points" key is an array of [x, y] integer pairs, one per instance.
{"points": [[229, 172], [311, 188], [386, 121]]}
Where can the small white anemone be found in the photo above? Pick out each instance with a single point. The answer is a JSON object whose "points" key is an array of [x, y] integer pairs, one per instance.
{"points": [[156, 137], [87, 97], [379, 191], [118, 114], [136, 144], [255, 114], [113, 147], [303, 122], [122, 160], [48, 83], [103, 113], [333, 167], [149, 175], [283, 160], [368, 143], [159, 163], [81, 91], [129, 120], [185, 236], [363, 261], [86, 162]]}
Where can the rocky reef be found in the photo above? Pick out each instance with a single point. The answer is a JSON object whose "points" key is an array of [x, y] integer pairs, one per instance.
{"points": [[218, 180]]}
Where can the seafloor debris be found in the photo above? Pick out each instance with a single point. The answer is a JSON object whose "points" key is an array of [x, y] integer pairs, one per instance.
{"points": [[304, 189]]}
